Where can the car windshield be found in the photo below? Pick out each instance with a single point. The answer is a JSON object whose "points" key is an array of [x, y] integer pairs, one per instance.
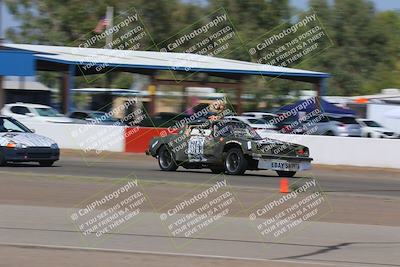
{"points": [[47, 112], [372, 124], [287, 121], [8, 125], [237, 129]]}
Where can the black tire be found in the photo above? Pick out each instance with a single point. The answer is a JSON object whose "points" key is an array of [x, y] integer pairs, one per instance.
{"points": [[235, 163], [217, 170], [329, 133], [166, 160], [285, 173], [3, 161], [46, 163], [369, 135]]}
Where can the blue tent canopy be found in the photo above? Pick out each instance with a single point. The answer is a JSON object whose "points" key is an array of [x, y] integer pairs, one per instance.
{"points": [[326, 107]]}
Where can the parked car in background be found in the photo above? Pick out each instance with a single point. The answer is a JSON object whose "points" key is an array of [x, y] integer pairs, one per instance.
{"points": [[289, 125], [93, 117], [259, 125], [33, 113], [349, 124], [260, 115], [20, 144], [322, 125], [372, 129]]}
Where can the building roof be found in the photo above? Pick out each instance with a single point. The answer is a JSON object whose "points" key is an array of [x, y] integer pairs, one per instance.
{"points": [[145, 62], [25, 85]]}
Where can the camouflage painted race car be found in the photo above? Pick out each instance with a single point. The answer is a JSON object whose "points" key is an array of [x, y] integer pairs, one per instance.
{"points": [[229, 147]]}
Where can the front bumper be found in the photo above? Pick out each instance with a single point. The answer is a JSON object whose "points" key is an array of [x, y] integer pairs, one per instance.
{"points": [[30, 154], [284, 163]]}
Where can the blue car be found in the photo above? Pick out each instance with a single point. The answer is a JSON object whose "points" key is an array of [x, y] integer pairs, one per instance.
{"points": [[20, 144]]}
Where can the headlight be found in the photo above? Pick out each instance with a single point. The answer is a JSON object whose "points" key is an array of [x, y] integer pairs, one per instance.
{"points": [[54, 146], [12, 144]]}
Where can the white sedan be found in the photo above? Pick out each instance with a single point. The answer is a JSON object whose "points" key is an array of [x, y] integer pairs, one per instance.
{"points": [[259, 125], [26, 112], [370, 128]]}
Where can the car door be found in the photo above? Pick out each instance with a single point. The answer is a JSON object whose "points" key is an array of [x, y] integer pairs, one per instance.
{"points": [[196, 145]]}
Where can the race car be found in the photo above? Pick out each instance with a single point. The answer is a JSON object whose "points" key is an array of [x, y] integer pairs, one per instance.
{"points": [[225, 146], [20, 144]]}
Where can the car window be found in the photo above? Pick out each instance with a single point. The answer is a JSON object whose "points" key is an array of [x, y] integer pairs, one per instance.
{"points": [[10, 125], [19, 110], [47, 112], [77, 115], [345, 120], [255, 121], [83, 115], [268, 117], [372, 124], [243, 131]]}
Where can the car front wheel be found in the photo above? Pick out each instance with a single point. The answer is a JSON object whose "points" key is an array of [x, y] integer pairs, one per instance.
{"points": [[166, 160], [3, 161], [285, 173], [235, 162]]}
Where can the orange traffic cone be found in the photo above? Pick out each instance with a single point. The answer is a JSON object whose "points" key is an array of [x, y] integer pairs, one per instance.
{"points": [[284, 188]]}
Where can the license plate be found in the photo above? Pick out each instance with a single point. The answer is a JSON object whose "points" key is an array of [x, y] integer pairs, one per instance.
{"points": [[283, 165]]}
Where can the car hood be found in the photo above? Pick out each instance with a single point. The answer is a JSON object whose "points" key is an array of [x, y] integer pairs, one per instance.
{"points": [[29, 139], [273, 146]]}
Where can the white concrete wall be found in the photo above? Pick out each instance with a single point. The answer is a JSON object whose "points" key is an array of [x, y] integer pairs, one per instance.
{"points": [[82, 136], [354, 151], [369, 152]]}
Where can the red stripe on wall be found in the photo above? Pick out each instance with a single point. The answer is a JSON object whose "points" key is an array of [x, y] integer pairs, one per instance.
{"points": [[137, 139]]}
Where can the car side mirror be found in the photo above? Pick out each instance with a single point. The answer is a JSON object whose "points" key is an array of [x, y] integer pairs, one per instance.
{"points": [[30, 114]]}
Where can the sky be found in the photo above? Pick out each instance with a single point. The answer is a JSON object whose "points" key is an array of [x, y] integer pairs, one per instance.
{"points": [[381, 5]]}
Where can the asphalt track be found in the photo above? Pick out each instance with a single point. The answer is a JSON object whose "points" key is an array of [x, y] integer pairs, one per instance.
{"points": [[340, 179], [45, 228]]}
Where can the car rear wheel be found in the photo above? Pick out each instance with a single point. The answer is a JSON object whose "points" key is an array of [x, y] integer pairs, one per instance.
{"points": [[235, 162], [329, 133], [166, 160], [46, 163], [285, 173]]}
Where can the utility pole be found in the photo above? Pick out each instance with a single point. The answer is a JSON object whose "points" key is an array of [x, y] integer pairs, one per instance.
{"points": [[110, 24], [109, 45], [1, 43]]}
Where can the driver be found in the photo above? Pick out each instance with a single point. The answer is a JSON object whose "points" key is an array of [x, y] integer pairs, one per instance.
{"points": [[217, 111]]}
